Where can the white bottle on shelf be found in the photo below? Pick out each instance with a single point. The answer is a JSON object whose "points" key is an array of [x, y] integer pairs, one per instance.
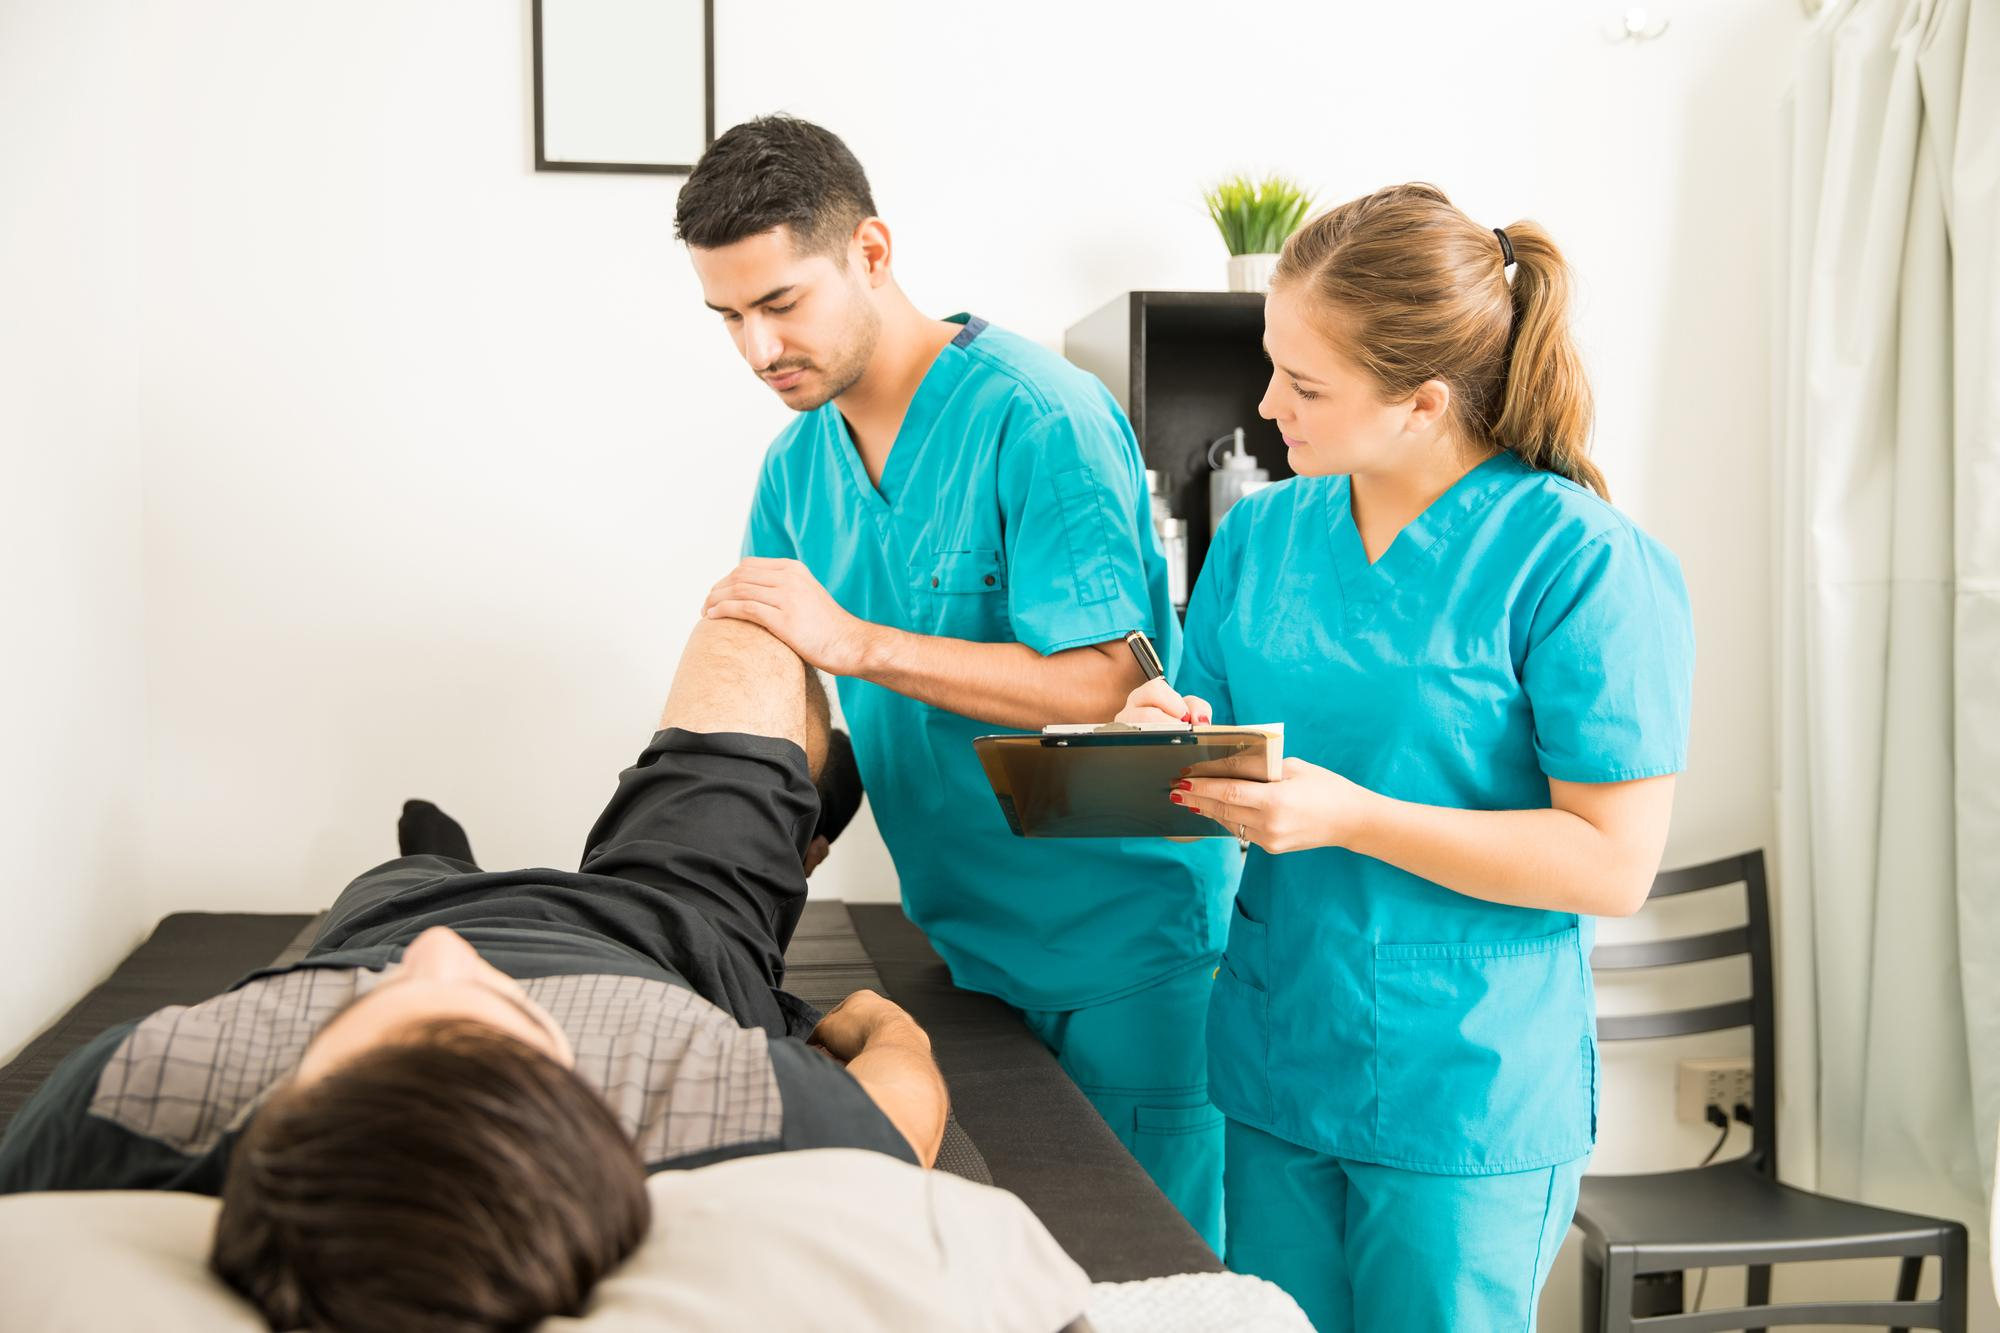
{"points": [[1174, 546], [1171, 533], [1234, 477]]}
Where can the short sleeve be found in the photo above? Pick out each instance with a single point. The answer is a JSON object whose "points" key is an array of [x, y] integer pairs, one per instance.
{"points": [[1201, 672], [766, 534], [1609, 672], [825, 1107], [1072, 504]]}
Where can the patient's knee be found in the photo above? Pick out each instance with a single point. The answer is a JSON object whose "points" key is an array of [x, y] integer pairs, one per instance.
{"points": [[738, 676], [741, 638]]}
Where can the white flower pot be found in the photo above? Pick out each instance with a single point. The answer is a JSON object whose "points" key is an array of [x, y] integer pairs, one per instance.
{"points": [[1251, 273]]}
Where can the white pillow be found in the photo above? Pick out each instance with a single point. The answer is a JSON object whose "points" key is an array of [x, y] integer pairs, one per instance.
{"points": [[829, 1239]]}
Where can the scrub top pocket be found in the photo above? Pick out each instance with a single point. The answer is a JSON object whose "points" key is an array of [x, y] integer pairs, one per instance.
{"points": [[1239, 1023], [961, 595], [1484, 1054]]}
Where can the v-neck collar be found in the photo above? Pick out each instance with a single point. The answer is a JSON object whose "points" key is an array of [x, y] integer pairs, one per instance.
{"points": [[1417, 546], [926, 406]]}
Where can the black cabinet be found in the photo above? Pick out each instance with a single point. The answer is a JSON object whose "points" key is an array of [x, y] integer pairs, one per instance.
{"points": [[1187, 367]]}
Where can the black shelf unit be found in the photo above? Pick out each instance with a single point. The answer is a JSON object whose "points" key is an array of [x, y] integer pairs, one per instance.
{"points": [[1187, 367]]}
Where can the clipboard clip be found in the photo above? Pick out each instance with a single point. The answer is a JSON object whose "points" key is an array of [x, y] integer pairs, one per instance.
{"points": [[1168, 733], [1112, 728]]}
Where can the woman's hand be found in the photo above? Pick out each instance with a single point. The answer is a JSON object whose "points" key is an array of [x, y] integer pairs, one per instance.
{"points": [[1309, 807], [1155, 701]]}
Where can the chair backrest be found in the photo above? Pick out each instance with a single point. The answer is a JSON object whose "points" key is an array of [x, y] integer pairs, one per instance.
{"points": [[1755, 1011]]}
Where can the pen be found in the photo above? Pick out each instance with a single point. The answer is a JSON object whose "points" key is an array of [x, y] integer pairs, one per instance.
{"points": [[1149, 657]]}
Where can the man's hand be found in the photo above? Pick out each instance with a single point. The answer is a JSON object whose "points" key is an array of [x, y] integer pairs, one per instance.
{"points": [[816, 851], [890, 1057], [784, 597], [858, 1020]]}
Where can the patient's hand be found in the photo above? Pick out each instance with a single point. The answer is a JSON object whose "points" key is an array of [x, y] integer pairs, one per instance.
{"points": [[816, 851], [858, 1020], [890, 1057]]}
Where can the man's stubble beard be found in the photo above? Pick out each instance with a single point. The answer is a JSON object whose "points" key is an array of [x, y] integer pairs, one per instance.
{"points": [[858, 350]]}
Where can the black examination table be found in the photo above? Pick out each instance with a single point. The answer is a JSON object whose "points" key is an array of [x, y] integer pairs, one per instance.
{"points": [[1018, 1122]]}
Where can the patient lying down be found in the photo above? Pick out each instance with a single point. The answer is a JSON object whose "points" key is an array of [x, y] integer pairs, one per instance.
{"points": [[443, 1115]]}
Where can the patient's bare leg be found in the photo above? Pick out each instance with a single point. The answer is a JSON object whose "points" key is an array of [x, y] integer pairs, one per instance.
{"points": [[716, 815], [736, 676]]}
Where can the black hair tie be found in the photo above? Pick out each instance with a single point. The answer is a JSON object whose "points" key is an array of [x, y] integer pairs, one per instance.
{"points": [[1506, 247]]}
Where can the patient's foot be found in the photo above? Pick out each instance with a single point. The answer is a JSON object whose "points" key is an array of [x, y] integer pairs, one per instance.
{"points": [[425, 830]]}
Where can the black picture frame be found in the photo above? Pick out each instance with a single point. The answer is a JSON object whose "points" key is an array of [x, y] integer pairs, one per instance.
{"points": [[542, 162]]}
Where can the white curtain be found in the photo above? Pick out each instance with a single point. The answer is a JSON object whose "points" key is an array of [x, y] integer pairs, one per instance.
{"points": [[1888, 568]]}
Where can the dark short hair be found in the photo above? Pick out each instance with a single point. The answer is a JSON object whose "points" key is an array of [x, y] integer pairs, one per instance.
{"points": [[456, 1181], [775, 171]]}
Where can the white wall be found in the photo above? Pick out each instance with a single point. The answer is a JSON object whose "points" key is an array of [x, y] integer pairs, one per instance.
{"points": [[72, 729], [444, 453], [441, 454]]}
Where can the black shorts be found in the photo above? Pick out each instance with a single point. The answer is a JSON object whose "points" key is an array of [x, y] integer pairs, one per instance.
{"points": [[696, 864]]}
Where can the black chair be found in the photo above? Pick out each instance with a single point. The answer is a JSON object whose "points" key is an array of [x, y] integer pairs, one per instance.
{"points": [[1736, 1213]]}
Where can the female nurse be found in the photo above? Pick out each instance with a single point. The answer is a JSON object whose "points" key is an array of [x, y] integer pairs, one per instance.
{"points": [[1484, 671]]}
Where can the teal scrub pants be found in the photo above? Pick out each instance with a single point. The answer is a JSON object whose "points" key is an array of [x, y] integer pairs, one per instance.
{"points": [[1361, 1246], [1142, 1060]]}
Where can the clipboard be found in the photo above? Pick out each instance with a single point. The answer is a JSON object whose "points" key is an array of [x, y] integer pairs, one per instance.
{"points": [[1112, 781]]}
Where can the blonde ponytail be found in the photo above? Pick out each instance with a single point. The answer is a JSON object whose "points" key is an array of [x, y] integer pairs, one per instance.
{"points": [[1545, 402], [1419, 291]]}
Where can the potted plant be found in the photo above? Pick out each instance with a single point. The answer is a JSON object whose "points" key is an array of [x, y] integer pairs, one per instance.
{"points": [[1254, 218]]}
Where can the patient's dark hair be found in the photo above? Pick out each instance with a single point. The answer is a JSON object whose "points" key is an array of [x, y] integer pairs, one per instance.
{"points": [[776, 171], [453, 1182]]}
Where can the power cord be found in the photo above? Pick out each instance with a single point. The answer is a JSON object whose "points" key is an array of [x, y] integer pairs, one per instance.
{"points": [[1715, 1116]]}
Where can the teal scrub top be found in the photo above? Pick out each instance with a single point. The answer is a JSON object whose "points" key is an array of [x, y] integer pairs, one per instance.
{"points": [[1012, 509], [1519, 630]]}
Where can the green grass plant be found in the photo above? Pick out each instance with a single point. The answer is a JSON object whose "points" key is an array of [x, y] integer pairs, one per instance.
{"points": [[1255, 217]]}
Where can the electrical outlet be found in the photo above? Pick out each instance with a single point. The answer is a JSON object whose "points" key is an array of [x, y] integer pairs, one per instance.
{"points": [[1700, 1084]]}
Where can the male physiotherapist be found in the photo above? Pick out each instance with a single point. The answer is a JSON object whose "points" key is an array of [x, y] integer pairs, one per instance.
{"points": [[955, 526]]}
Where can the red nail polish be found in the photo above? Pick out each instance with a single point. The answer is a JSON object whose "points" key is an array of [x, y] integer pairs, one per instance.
{"points": [[1183, 786], [1175, 797], [1187, 717]]}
